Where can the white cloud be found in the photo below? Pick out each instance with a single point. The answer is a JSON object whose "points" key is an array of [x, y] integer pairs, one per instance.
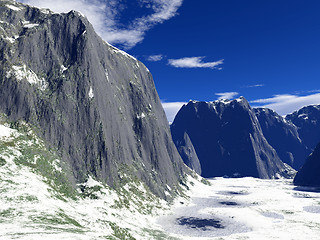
{"points": [[227, 95], [155, 58], [287, 103], [193, 62], [254, 86], [105, 15], [171, 109]]}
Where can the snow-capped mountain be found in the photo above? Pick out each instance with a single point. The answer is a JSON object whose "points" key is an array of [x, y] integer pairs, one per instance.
{"points": [[228, 139], [94, 105], [307, 120]]}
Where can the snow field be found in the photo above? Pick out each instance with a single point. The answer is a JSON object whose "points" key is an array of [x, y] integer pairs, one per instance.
{"points": [[248, 208]]}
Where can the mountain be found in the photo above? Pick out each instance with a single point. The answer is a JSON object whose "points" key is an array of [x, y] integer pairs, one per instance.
{"points": [[188, 153], [283, 136], [307, 120], [228, 139], [309, 174], [94, 105]]}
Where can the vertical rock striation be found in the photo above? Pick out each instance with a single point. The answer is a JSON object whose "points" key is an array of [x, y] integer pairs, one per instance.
{"points": [[283, 136], [95, 104]]}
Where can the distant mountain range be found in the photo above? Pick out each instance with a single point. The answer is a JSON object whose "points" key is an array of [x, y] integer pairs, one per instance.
{"points": [[230, 138]]}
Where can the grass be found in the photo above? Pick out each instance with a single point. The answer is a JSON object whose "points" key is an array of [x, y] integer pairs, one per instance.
{"points": [[36, 156]]}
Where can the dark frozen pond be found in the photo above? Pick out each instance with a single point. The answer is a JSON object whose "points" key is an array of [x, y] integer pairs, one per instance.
{"points": [[229, 203], [199, 223]]}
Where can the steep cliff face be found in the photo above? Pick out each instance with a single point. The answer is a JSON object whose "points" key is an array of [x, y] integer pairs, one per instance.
{"points": [[188, 153], [307, 120], [94, 104], [283, 136], [228, 139], [309, 174]]}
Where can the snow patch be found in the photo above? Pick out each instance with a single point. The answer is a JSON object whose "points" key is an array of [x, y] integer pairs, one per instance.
{"points": [[11, 39], [91, 95], [5, 131], [107, 75], [27, 24], [45, 10], [142, 115], [92, 183], [14, 8], [63, 69], [21, 72], [116, 50], [303, 116]]}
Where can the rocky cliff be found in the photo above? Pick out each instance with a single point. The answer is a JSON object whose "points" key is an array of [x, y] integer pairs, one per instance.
{"points": [[283, 136], [92, 103], [309, 174], [228, 139], [307, 120]]}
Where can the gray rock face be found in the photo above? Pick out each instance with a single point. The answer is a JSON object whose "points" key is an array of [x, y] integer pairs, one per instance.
{"points": [[95, 104], [283, 136], [228, 140], [188, 153], [309, 174]]}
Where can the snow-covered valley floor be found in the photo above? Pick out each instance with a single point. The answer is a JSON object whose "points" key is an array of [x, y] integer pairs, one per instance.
{"points": [[246, 208], [37, 203]]}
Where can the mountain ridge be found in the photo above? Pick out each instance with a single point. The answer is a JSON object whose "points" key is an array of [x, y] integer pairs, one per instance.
{"points": [[229, 140]]}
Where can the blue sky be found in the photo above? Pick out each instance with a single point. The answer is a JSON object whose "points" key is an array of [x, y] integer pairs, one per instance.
{"points": [[267, 51]]}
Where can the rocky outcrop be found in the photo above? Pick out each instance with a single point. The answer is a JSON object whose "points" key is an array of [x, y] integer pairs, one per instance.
{"points": [[309, 174], [188, 153], [94, 104], [307, 120], [228, 139], [283, 136]]}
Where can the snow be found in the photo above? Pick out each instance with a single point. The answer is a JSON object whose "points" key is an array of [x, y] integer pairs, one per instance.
{"points": [[304, 116], [81, 14], [45, 10], [92, 183], [14, 8], [140, 116], [5, 131], [11, 39], [63, 68], [116, 50], [247, 208], [107, 75], [30, 210], [21, 72], [91, 95], [27, 24]]}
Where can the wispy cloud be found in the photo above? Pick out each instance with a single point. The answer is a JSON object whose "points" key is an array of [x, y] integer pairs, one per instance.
{"points": [[155, 58], [287, 103], [194, 62], [254, 86], [227, 95], [171, 109], [105, 15]]}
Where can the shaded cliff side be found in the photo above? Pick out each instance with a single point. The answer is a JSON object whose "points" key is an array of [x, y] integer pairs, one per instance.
{"points": [[283, 136], [309, 174], [228, 139]]}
